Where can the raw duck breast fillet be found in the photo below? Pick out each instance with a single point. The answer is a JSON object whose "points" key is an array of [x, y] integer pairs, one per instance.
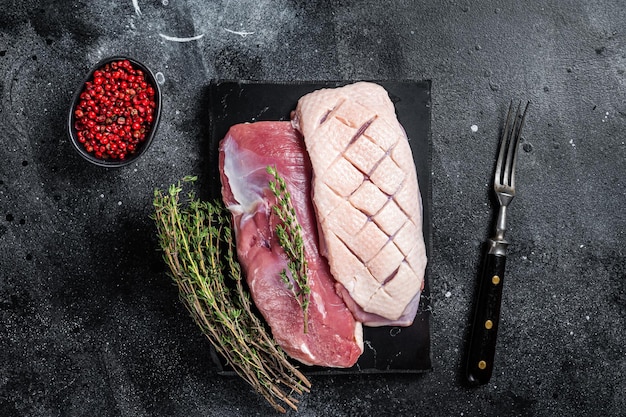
{"points": [[334, 338], [367, 200]]}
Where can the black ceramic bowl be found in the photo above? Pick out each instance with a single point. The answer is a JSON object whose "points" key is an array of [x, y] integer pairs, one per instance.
{"points": [[149, 133]]}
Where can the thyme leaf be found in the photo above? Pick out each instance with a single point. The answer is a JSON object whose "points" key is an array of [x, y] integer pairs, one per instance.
{"points": [[198, 246], [289, 233]]}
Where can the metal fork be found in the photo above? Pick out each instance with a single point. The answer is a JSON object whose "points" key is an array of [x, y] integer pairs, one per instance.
{"points": [[482, 344]]}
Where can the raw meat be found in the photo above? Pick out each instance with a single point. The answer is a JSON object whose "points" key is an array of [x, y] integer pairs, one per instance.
{"points": [[334, 338], [367, 200]]}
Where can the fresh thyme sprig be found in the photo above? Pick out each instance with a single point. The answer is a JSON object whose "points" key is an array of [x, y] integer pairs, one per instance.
{"points": [[198, 246], [289, 233]]}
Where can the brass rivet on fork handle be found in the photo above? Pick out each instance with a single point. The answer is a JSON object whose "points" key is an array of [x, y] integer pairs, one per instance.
{"points": [[484, 331]]}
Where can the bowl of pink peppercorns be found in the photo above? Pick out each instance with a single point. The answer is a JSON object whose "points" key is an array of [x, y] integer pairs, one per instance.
{"points": [[115, 113]]}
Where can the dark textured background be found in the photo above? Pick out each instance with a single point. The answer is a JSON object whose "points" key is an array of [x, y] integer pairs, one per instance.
{"points": [[90, 324]]}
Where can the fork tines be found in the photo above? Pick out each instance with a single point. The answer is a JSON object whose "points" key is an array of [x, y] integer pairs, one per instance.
{"points": [[508, 146]]}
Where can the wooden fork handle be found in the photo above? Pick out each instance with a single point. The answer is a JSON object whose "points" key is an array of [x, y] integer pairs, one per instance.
{"points": [[484, 332]]}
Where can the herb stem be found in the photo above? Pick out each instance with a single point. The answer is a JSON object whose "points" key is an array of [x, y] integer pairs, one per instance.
{"points": [[289, 233], [198, 246]]}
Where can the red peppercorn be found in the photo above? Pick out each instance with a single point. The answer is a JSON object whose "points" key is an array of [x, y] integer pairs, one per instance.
{"points": [[115, 111]]}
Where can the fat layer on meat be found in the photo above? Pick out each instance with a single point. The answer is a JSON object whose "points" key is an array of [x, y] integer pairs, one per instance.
{"points": [[367, 200]]}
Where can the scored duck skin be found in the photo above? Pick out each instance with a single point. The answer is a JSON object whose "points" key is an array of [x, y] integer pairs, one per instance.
{"points": [[366, 199], [334, 337]]}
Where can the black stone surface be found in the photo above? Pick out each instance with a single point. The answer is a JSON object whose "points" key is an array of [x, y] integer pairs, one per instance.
{"points": [[90, 323], [386, 349]]}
